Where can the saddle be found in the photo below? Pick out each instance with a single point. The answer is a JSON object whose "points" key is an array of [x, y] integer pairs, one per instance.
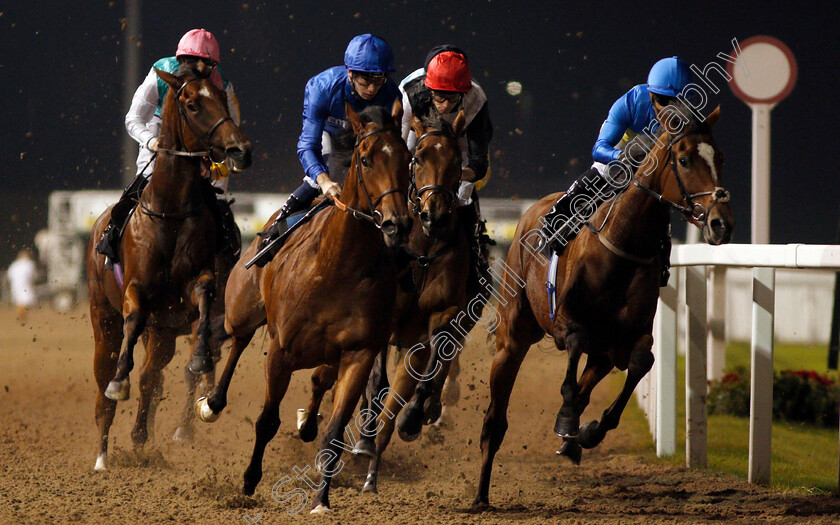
{"points": [[290, 224]]}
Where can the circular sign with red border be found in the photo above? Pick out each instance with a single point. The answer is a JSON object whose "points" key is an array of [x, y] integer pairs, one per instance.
{"points": [[764, 71]]}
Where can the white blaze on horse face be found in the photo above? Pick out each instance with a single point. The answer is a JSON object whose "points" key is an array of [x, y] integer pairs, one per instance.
{"points": [[388, 150], [204, 92], [438, 146], [708, 153]]}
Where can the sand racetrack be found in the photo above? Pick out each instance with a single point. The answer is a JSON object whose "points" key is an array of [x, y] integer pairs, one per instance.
{"points": [[48, 450]]}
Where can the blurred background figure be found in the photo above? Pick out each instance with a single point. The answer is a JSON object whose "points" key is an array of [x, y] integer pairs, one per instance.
{"points": [[22, 274]]}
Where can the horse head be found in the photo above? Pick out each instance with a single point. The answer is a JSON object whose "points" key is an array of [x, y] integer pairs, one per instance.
{"points": [[206, 121], [436, 173], [378, 175], [691, 178]]}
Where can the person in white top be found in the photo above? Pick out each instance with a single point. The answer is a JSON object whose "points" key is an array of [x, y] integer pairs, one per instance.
{"points": [[198, 50], [22, 274]]}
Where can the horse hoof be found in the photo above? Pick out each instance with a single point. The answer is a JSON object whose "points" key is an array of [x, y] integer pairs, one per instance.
{"points": [[204, 412], [302, 415], [588, 437], [410, 422], [183, 434], [480, 505], [101, 463], [365, 447], [200, 364], [118, 390], [370, 487], [320, 509], [408, 438], [566, 427], [571, 450], [432, 410]]}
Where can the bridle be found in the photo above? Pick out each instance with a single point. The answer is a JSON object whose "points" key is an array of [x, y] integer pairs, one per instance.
{"points": [[208, 153], [415, 195], [721, 195], [375, 216], [205, 140]]}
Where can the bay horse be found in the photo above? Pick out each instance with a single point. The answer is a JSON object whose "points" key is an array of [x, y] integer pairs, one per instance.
{"points": [[168, 253], [607, 282], [439, 255], [328, 295]]}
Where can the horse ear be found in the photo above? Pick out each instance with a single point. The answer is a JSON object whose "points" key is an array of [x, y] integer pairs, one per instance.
{"points": [[417, 126], [458, 125], [657, 107], [397, 112], [173, 81], [353, 117], [714, 116]]}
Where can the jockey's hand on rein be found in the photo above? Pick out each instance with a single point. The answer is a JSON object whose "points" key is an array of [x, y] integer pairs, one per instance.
{"points": [[331, 189]]}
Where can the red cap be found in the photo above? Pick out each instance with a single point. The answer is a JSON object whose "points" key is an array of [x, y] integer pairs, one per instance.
{"points": [[449, 71]]}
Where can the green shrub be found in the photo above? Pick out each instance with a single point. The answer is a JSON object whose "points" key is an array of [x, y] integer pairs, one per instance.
{"points": [[798, 395]]}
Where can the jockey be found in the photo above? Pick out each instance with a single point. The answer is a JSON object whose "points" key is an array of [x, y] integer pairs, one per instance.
{"points": [[197, 50], [326, 135], [631, 115], [440, 90]]}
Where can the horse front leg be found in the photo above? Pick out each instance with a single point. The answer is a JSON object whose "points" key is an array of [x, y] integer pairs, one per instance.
{"points": [[323, 379], [568, 420], [597, 367], [134, 322], [353, 375], [641, 361], [107, 334], [201, 361], [425, 406], [209, 408]]}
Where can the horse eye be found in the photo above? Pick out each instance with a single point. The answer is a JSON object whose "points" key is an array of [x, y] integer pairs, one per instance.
{"points": [[364, 162], [683, 162], [192, 107]]}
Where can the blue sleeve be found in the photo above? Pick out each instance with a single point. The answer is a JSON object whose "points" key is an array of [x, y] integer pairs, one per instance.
{"points": [[315, 112], [618, 120]]}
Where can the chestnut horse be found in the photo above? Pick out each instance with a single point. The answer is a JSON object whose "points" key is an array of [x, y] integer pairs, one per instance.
{"points": [[328, 295], [439, 250], [168, 253], [607, 282]]}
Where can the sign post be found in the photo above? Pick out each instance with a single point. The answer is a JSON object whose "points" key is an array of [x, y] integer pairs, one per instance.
{"points": [[763, 74]]}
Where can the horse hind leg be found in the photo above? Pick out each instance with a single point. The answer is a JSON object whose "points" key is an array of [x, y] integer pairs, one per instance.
{"points": [[641, 361], [107, 335], [160, 347], [353, 375], [323, 379], [391, 400], [278, 374], [134, 315], [451, 391], [378, 382]]}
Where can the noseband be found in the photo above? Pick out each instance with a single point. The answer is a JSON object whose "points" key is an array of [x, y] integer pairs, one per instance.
{"points": [[205, 140], [415, 195], [721, 195], [375, 216]]}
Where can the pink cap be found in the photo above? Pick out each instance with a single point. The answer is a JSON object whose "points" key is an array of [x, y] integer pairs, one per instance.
{"points": [[199, 43]]}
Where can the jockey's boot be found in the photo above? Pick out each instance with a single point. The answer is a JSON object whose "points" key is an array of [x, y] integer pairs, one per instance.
{"points": [[109, 243], [469, 217], [299, 200], [230, 236], [665, 255], [562, 222]]}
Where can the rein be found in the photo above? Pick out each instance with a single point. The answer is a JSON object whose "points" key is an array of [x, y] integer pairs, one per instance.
{"points": [[375, 217]]}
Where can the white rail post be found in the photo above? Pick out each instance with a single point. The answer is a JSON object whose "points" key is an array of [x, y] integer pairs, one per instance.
{"points": [[716, 335], [694, 288], [665, 336], [761, 382]]}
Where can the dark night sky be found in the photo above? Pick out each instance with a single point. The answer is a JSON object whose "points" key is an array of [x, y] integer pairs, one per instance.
{"points": [[63, 113]]}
